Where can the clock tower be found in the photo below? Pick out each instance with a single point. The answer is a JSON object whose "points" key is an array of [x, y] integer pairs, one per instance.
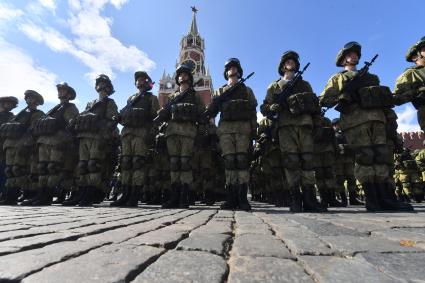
{"points": [[192, 48]]}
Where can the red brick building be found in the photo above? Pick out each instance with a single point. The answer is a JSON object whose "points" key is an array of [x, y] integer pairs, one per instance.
{"points": [[413, 140], [192, 48]]}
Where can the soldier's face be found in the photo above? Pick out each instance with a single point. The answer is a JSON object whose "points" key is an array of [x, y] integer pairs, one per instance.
{"points": [[183, 78], [141, 82], [7, 105], [102, 89], [233, 72], [289, 65], [31, 102], [352, 58], [421, 61], [63, 94]]}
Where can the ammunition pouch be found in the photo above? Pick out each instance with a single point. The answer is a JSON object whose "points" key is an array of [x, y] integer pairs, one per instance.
{"points": [[344, 101], [375, 97], [323, 135], [134, 117], [12, 130], [184, 112], [236, 110], [303, 103], [410, 164], [46, 126], [87, 122]]}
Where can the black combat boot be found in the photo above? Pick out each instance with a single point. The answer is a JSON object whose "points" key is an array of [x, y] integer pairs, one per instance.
{"points": [[75, 197], [11, 196], [324, 197], [295, 200], [30, 201], [388, 200], [333, 202], [136, 193], [231, 201], [26, 195], [173, 197], [46, 197], [310, 203], [121, 201], [60, 196], [279, 198], [371, 195], [209, 197], [353, 197], [343, 196], [184, 196], [243, 203], [89, 197]]}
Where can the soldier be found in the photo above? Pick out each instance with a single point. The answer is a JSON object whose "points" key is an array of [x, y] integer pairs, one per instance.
{"points": [[137, 137], [236, 129], [361, 103], [56, 148], [161, 162], [7, 103], [410, 177], [410, 85], [344, 167], [271, 162], [180, 134], [295, 125], [324, 160], [97, 134], [20, 149]]}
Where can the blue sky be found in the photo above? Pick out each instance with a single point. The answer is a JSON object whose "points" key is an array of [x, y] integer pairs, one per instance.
{"points": [[43, 42]]}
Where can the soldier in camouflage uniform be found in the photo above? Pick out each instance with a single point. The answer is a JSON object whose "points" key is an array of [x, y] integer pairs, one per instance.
{"points": [[324, 161], [161, 181], [344, 167], [295, 134], [20, 149], [410, 176], [410, 85], [97, 134], [236, 129], [271, 161], [137, 137], [364, 123], [202, 161], [420, 161], [7, 103], [180, 134], [56, 148]]}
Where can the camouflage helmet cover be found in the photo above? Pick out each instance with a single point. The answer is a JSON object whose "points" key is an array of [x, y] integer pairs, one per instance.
{"points": [[144, 74], [10, 99], [32, 93], [414, 49], [71, 91], [104, 78], [183, 68], [232, 62], [290, 54], [351, 46]]}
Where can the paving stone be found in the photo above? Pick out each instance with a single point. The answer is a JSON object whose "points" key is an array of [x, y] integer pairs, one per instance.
{"points": [[323, 228], [336, 269], [409, 267], [265, 269], [259, 228], [215, 227], [350, 245], [212, 243], [258, 245], [401, 235], [114, 263], [185, 266]]}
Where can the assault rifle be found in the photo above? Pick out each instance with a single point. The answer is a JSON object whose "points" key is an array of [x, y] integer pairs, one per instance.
{"points": [[129, 105], [218, 100], [166, 110]]}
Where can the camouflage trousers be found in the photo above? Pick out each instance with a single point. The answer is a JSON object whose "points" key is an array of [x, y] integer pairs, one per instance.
{"points": [[324, 171], [133, 157], [21, 167], [180, 149], [202, 164]]}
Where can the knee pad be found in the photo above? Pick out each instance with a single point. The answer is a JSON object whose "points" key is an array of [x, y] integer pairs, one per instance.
{"points": [[93, 166], [329, 173], [242, 161], [291, 161], [18, 170], [381, 154], [82, 168], [42, 168], [53, 168], [185, 163], [126, 162], [138, 162], [230, 162], [174, 163], [364, 156], [319, 173], [307, 161], [8, 171]]}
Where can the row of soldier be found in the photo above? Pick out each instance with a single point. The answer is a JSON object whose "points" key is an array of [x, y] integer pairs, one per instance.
{"points": [[78, 152]]}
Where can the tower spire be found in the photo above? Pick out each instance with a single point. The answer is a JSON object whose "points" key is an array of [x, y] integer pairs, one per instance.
{"points": [[194, 27]]}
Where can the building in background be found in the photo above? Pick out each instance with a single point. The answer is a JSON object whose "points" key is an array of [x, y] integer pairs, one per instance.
{"points": [[413, 140]]}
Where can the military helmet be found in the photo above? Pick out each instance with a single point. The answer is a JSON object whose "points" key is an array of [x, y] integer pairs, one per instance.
{"points": [[70, 90], [104, 78], [139, 74], [232, 62], [290, 54], [335, 121], [11, 99], [183, 68], [414, 49], [32, 93], [351, 46]]}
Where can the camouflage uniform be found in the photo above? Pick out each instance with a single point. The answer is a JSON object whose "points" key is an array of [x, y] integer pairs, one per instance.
{"points": [[364, 123], [5, 116], [410, 176], [236, 128], [57, 150], [20, 150], [180, 134], [295, 138], [137, 137]]}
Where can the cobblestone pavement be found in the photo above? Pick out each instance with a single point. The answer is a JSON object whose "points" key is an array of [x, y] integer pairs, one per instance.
{"points": [[205, 244]]}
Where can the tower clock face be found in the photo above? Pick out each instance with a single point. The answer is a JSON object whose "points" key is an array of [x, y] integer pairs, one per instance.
{"points": [[191, 64]]}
